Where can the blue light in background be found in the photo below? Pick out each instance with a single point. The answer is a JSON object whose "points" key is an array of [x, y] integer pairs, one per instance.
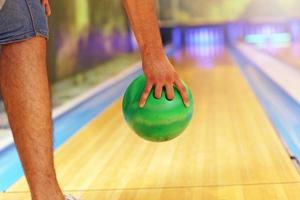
{"points": [[176, 37], [204, 36], [295, 30], [272, 38]]}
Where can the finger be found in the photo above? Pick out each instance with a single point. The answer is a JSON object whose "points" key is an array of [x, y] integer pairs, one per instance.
{"points": [[158, 90], [182, 92], [47, 7], [170, 91], [145, 94]]}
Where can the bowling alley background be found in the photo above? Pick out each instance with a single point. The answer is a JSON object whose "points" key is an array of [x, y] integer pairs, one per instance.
{"points": [[93, 56]]}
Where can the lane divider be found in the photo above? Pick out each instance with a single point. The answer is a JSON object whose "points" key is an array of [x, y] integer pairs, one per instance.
{"points": [[286, 77], [282, 109]]}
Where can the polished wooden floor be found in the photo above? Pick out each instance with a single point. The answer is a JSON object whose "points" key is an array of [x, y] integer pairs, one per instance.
{"points": [[230, 151]]}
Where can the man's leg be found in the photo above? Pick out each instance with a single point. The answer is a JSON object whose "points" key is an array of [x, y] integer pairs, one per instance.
{"points": [[25, 90]]}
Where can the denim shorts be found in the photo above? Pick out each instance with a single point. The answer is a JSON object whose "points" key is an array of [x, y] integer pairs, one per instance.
{"points": [[21, 20]]}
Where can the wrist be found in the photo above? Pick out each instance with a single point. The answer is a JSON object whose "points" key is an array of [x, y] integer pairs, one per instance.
{"points": [[153, 53], [157, 64], [154, 58]]}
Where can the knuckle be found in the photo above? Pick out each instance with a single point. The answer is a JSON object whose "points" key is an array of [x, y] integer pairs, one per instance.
{"points": [[185, 95], [160, 80], [144, 96], [147, 90], [169, 79], [186, 98], [183, 88], [171, 89], [150, 79]]}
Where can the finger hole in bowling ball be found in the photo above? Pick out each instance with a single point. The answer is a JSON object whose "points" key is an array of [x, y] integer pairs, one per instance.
{"points": [[168, 98], [161, 95], [164, 93], [156, 97]]}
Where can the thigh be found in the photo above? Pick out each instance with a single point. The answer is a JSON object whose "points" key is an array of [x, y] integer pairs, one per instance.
{"points": [[23, 77], [23, 65], [23, 58]]}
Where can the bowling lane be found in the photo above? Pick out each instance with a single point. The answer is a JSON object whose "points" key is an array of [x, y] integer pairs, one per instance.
{"points": [[289, 53], [229, 151]]}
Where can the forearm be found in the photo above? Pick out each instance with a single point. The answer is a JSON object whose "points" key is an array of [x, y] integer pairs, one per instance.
{"points": [[157, 68], [143, 20]]}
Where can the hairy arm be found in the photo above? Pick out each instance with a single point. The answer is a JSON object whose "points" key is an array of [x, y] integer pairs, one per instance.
{"points": [[159, 71]]}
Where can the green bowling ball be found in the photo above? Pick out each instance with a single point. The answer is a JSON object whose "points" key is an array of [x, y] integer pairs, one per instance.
{"points": [[160, 119]]}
